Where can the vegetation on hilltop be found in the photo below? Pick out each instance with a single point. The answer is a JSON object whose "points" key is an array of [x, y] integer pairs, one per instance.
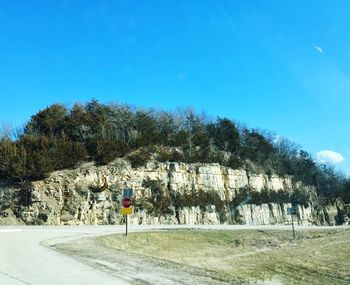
{"points": [[59, 137]]}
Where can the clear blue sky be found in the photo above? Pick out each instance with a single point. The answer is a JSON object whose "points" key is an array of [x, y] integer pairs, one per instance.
{"points": [[277, 65]]}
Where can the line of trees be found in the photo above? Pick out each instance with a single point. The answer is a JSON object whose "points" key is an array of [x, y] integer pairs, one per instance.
{"points": [[59, 137]]}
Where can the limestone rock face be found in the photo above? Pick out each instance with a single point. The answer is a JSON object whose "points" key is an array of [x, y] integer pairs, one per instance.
{"points": [[91, 194], [223, 180], [271, 214]]}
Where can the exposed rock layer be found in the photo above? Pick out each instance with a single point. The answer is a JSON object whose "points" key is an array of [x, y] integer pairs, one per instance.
{"points": [[91, 195]]}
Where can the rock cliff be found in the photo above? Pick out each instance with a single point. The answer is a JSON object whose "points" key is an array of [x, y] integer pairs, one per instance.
{"points": [[91, 194]]}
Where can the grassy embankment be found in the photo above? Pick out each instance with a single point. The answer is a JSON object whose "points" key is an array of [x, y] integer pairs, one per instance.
{"points": [[315, 257]]}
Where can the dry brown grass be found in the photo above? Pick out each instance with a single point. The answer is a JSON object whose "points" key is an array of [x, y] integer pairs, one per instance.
{"points": [[315, 257]]}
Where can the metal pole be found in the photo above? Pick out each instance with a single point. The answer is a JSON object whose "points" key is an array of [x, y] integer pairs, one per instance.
{"points": [[126, 225], [293, 227]]}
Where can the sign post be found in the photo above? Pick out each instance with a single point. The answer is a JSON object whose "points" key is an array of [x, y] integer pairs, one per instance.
{"points": [[126, 225], [292, 211], [127, 206]]}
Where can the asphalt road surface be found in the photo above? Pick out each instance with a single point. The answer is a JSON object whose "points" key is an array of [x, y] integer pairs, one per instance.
{"points": [[25, 256]]}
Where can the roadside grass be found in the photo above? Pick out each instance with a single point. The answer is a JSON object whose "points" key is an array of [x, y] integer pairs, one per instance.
{"points": [[314, 257]]}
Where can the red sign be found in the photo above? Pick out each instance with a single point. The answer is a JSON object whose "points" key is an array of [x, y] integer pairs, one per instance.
{"points": [[126, 202]]}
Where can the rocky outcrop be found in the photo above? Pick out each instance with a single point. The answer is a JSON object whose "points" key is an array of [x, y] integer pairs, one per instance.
{"points": [[271, 214], [91, 194]]}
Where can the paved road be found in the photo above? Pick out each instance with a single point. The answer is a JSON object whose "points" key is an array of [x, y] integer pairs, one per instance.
{"points": [[26, 259], [23, 260]]}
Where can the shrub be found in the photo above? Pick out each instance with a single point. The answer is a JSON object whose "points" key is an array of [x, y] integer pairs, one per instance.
{"points": [[201, 198], [139, 158], [105, 151], [68, 153], [242, 196], [12, 161], [159, 199], [300, 197], [171, 156]]}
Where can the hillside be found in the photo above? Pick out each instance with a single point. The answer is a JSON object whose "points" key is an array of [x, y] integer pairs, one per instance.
{"points": [[69, 166], [166, 193]]}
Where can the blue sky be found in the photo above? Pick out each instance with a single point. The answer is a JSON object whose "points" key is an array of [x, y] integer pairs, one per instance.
{"points": [[277, 65]]}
